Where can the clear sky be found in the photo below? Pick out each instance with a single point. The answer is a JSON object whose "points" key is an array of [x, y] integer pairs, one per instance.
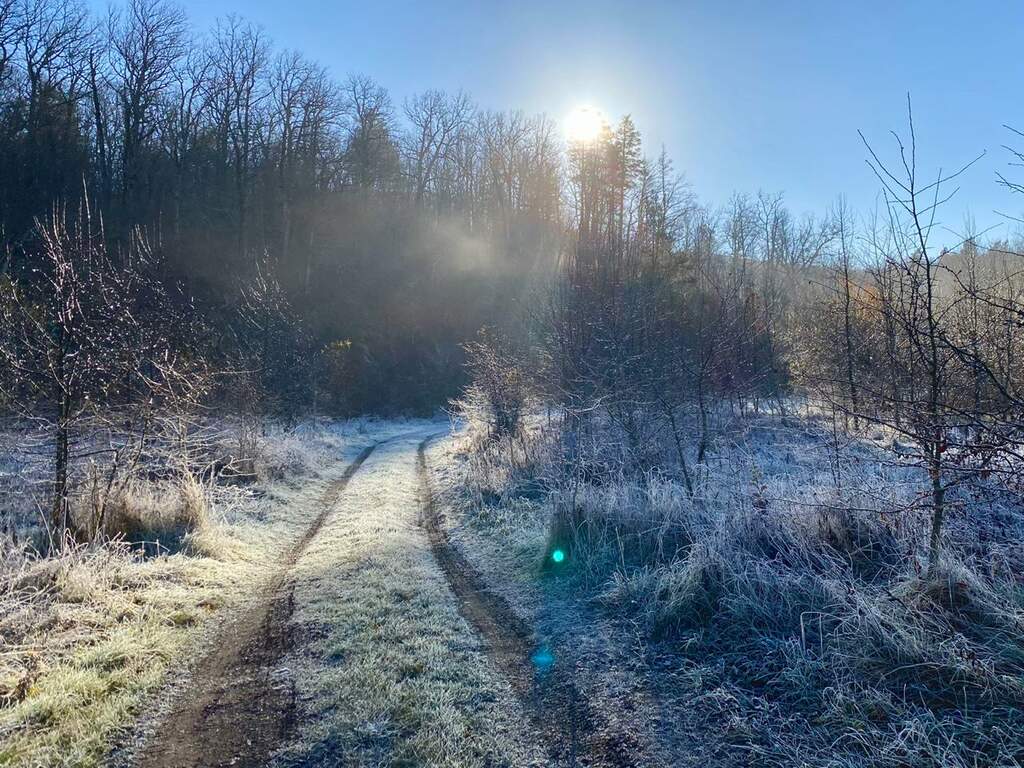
{"points": [[745, 95]]}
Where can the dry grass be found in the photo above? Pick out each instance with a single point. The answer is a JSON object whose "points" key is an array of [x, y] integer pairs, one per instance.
{"points": [[156, 515], [86, 637], [787, 595]]}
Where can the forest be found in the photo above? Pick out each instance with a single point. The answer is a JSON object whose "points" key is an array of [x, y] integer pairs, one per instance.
{"points": [[287, 363]]}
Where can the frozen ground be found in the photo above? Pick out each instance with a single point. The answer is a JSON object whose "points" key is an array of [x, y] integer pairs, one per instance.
{"points": [[388, 672], [88, 638], [376, 605], [781, 616]]}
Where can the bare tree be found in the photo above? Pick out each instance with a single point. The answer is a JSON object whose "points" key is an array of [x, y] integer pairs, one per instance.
{"points": [[239, 55], [88, 336], [147, 42], [184, 122], [370, 155], [931, 401], [11, 20], [436, 120], [303, 105]]}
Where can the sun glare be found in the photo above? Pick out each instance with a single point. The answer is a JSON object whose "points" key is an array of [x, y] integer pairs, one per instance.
{"points": [[584, 124]]}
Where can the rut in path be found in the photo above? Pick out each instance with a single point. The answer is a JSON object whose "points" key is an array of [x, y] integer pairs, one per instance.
{"points": [[572, 729], [241, 706]]}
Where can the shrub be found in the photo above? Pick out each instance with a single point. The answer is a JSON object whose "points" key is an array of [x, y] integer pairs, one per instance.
{"points": [[499, 386], [155, 515]]}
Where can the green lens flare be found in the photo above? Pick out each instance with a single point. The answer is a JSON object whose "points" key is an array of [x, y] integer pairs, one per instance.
{"points": [[558, 555]]}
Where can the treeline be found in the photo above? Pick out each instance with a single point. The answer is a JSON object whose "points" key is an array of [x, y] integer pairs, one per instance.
{"points": [[285, 243], [667, 311], [393, 231]]}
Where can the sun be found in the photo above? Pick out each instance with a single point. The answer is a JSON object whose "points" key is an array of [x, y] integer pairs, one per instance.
{"points": [[584, 125]]}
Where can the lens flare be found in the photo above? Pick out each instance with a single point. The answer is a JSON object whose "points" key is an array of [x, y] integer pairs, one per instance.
{"points": [[543, 659], [558, 555]]}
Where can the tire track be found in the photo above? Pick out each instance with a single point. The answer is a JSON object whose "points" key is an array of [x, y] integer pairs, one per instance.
{"points": [[572, 729], [242, 705]]}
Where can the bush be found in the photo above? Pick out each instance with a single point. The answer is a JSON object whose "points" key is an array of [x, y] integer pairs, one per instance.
{"points": [[499, 383]]}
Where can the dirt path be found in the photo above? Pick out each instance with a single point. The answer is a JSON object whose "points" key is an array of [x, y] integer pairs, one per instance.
{"points": [[242, 703], [351, 581], [573, 731]]}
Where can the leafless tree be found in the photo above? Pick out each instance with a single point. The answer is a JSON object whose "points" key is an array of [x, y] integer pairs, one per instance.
{"points": [[239, 54], [87, 339], [931, 402], [147, 43], [11, 21], [436, 119]]}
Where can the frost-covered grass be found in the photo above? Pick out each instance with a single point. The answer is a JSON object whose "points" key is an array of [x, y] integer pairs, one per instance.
{"points": [[787, 600], [84, 637], [87, 635], [388, 672]]}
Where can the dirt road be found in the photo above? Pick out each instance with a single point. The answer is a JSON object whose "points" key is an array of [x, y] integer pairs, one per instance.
{"points": [[242, 703], [376, 643]]}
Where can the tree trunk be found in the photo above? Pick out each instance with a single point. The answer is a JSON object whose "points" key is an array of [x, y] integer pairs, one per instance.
{"points": [[938, 512], [60, 473], [848, 337], [679, 451]]}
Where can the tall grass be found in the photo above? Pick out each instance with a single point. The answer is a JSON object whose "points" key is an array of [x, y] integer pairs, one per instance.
{"points": [[793, 579]]}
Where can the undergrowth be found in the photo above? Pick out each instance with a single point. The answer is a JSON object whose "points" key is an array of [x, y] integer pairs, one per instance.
{"points": [[791, 590]]}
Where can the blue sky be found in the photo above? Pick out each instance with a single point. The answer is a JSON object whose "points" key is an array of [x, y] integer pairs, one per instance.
{"points": [[744, 95]]}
